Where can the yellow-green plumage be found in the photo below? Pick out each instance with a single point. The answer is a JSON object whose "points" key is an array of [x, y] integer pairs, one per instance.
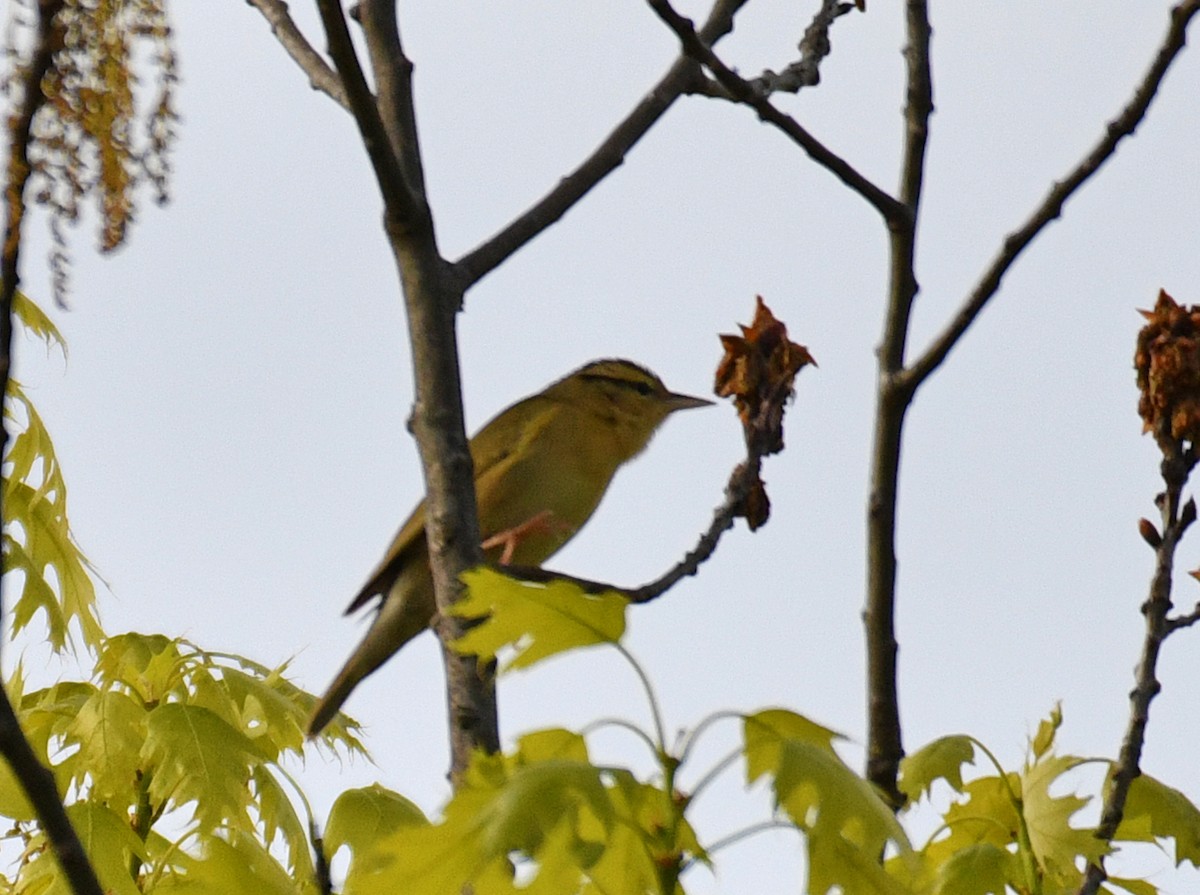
{"points": [[552, 453]]}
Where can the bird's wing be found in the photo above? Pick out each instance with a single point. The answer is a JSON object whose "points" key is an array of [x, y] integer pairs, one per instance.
{"points": [[499, 448], [493, 451], [408, 544]]}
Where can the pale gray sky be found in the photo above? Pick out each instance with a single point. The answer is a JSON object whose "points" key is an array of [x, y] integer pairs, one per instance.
{"points": [[231, 420]]}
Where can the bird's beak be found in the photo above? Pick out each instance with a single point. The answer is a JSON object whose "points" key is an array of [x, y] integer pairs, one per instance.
{"points": [[683, 402]]}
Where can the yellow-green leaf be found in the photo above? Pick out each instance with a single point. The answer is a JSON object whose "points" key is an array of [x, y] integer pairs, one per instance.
{"points": [[940, 760], [551, 743], [106, 838], [109, 730], [848, 825], [1165, 813], [764, 732], [35, 320], [197, 759], [980, 869], [1056, 844], [360, 817], [279, 818], [835, 862], [151, 665], [1043, 740], [225, 868], [536, 620]]}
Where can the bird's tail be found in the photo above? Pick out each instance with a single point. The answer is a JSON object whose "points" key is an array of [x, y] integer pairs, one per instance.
{"points": [[331, 703], [402, 616]]}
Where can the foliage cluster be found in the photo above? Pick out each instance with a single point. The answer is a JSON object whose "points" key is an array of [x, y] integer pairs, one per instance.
{"points": [[169, 759]]}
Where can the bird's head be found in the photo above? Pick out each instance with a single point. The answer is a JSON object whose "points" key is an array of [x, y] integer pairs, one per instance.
{"points": [[626, 398]]}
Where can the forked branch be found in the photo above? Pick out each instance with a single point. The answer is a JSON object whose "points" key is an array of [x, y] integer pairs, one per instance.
{"points": [[293, 41], [683, 75], [746, 93], [1051, 206]]}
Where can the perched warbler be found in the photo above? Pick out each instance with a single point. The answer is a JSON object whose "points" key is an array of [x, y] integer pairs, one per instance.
{"points": [[541, 467]]}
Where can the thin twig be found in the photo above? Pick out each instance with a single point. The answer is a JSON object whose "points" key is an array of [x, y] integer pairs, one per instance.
{"points": [[814, 47], [35, 779], [320, 76], [1176, 466], [321, 874], [1184, 621], [402, 208], [605, 159], [744, 475], [1051, 207], [393, 78], [743, 92]]}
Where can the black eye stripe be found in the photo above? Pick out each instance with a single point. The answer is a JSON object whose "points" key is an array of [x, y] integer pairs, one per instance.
{"points": [[639, 386]]}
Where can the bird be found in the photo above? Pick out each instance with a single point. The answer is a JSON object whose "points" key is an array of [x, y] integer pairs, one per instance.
{"points": [[541, 467]]}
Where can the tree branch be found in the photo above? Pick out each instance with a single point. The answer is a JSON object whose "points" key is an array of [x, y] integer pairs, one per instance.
{"points": [[1051, 207], [744, 92], [885, 746], [605, 159], [320, 76], [401, 206], [741, 481], [432, 301], [1176, 466], [35, 779], [393, 77]]}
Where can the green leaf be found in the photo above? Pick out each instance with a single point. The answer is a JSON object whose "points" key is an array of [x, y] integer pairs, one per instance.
{"points": [[226, 868], [835, 862], [106, 838], [940, 760], [279, 818], [551, 743], [1043, 740], [980, 869], [109, 843], [497, 813], [13, 803], [194, 757], [35, 508], [360, 817], [266, 714], [1056, 844], [987, 814], [109, 730], [537, 620], [49, 546], [1136, 886], [1164, 813], [149, 664], [847, 823], [35, 320], [765, 731]]}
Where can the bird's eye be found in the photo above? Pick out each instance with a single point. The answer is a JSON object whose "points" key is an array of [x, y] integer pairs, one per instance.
{"points": [[643, 388]]}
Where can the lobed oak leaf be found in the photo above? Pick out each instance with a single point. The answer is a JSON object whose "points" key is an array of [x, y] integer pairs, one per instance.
{"points": [[1155, 810], [537, 619], [1055, 843], [940, 760]]}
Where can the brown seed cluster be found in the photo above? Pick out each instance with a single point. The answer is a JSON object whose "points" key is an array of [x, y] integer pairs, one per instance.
{"points": [[758, 372], [1168, 372]]}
